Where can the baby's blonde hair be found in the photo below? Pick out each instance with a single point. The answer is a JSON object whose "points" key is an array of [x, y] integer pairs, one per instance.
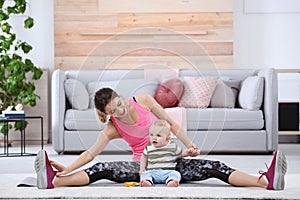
{"points": [[160, 125]]}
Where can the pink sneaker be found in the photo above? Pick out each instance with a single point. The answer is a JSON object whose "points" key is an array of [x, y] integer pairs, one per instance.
{"points": [[276, 172], [44, 171]]}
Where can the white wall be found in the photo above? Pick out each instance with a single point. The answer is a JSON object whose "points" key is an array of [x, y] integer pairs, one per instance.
{"points": [[267, 34], [41, 36], [289, 87]]}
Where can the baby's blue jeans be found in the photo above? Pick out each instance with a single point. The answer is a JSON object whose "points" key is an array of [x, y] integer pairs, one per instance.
{"points": [[161, 176]]}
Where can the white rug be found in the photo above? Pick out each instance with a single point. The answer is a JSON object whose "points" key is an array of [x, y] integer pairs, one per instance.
{"points": [[210, 189]]}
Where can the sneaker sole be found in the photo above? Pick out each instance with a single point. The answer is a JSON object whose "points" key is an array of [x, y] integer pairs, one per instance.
{"points": [[40, 168], [280, 171]]}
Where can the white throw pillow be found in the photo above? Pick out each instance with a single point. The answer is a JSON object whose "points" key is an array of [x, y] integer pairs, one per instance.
{"points": [[77, 94], [251, 93]]}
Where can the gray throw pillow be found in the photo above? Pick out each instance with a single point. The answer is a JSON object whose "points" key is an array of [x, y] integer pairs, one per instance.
{"points": [[251, 94], [77, 94], [223, 96]]}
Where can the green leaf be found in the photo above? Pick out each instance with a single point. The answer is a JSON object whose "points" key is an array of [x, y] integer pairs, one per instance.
{"points": [[28, 23], [12, 65], [1, 3], [12, 38], [5, 59], [25, 47], [3, 16], [21, 125], [16, 57], [6, 28], [6, 45], [22, 5], [30, 100], [5, 127], [10, 83], [11, 10], [37, 73], [21, 76]]}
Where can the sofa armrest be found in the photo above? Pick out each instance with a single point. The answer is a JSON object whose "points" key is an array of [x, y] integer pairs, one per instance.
{"points": [[58, 102], [270, 107]]}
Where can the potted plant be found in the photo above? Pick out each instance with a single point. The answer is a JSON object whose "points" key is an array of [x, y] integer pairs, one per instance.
{"points": [[17, 72]]}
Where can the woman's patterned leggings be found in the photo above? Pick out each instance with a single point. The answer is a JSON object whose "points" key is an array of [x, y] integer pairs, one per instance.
{"points": [[190, 170]]}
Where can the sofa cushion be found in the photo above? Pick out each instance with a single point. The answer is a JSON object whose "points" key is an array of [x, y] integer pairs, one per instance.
{"points": [[251, 93], [197, 91], [77, 94], [224, 119], [197, 119], [223, 96], [126, 88], [169, 92]]}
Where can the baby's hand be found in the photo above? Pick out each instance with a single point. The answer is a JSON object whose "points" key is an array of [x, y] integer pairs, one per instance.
{"points": [[193, 150]]}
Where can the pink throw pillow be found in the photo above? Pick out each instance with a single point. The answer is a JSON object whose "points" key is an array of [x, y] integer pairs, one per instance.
{"points": [[197, 91], [169, 92]]}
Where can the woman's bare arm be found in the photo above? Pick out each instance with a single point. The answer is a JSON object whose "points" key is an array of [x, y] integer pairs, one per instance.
{"points": [[109, 133], [104, 138], [149, 103]]}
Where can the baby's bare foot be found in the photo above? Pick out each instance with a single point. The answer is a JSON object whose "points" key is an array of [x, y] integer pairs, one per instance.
{"points": [[145, 183], [173, 184]]}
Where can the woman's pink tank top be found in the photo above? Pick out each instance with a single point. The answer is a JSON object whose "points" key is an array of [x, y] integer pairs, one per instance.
{"points": [[136, 135]]}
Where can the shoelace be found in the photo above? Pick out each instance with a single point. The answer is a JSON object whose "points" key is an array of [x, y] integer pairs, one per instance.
{"points": [[263, 173]]}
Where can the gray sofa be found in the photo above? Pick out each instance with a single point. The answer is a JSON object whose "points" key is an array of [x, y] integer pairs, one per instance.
{"points": [[234, 130]]}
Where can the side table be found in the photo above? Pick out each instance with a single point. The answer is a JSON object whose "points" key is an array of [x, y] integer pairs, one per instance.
{"points": [[22, 119]]}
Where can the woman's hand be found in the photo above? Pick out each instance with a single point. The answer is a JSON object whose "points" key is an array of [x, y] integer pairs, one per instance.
{"points": [[62, 170], [193, 150]]}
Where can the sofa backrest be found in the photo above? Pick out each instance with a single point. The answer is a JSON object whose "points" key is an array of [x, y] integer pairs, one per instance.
{"points": [[131, 82], [87, 76], [235, 74]]}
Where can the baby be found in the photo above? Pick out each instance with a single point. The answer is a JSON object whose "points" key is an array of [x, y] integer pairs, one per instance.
{"points": [[157, 163]]}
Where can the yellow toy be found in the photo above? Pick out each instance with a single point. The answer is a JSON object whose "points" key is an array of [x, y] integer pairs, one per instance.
{"points": [[131, 184]]}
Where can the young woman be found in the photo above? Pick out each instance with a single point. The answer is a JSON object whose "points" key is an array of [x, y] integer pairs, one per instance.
{"points": [[130, 120]]}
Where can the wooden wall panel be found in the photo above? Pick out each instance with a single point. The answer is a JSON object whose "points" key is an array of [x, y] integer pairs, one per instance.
{"points": [[88, 38], [132, 62], [144, 48], [174, 19]]}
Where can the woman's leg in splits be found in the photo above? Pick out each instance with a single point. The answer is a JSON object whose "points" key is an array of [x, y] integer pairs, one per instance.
{"points": [[274, 175], [238, 178], [120, 171], [198, 169], [124, 171], [96, 172], [77, 179], [273, 179]]}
